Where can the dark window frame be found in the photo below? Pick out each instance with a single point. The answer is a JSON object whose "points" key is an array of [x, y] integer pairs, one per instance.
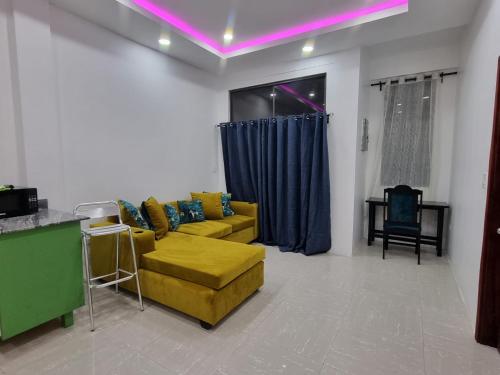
{"points": [[275, 83]]}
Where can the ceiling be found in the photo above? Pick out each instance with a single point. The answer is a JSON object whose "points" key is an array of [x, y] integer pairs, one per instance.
{"points": [[258, 24], [262, 28]]}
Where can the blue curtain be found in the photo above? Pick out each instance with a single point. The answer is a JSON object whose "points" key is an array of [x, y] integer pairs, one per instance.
{"points": [[282, 164]]}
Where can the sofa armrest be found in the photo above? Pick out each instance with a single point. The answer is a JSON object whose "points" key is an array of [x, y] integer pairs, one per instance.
{"points": [[247, 209], [103, 250]]}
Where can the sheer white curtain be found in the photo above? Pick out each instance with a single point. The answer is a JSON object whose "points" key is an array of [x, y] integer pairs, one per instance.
{"points": [[441, 135], [404, 143]]}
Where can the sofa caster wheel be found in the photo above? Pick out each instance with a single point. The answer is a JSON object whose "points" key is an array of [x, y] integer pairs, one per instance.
{"points": [[206, 325]]}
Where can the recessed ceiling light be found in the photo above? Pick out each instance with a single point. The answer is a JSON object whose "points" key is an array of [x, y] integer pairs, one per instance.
{"points": [[312, 94], [228, 36], [164, 41], [307, 48], [376, 8]]}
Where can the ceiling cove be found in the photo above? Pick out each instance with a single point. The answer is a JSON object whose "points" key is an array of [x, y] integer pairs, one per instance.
{"points": [[321, 25]]}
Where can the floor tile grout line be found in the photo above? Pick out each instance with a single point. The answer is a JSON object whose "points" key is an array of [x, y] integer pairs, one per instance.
{"points": [[421, 300], [342, 319], [141, 353], [246, 338], [142, 350]]}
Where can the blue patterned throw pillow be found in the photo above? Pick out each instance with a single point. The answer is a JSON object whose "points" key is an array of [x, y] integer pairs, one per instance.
{"points": [[134, 218], [191, 211], [174, 219], [226, 205], [183, 218]]}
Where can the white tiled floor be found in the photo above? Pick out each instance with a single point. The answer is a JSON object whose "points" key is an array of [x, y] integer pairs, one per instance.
{"points": [[315, 315]]}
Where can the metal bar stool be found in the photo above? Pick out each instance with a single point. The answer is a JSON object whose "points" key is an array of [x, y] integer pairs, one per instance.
{"points": [[100, 211]]}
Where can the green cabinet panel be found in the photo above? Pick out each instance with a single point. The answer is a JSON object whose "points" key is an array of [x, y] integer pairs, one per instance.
{"points": [[41, 277]]}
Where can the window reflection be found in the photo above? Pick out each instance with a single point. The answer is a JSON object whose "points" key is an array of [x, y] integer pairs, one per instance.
{"points": [[303, 95]]}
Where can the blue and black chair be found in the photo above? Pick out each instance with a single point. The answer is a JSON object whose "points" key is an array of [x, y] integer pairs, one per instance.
{"points": [[402, 216]]}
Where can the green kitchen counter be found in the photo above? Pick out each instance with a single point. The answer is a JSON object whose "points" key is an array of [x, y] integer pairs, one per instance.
{"points": [[41, 275]]}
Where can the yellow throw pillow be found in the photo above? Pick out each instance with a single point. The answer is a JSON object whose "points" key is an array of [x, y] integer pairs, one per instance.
{"points": [[212, 204], [157, 217]]}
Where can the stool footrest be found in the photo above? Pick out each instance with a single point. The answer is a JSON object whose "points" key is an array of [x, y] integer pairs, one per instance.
{"points": [[103, 276], [107, 230], [129, 276], [112, 274]]}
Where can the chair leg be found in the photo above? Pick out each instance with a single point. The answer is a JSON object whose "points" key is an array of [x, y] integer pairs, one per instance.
{"points": [[385, 245], [88, 282], [117, 260], [418, 249], [132, 247]]}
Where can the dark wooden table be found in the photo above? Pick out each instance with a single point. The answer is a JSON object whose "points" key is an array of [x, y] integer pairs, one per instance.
{"points": [[436, 240]]}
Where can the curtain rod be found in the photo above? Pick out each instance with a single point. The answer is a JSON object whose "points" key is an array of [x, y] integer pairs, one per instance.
{"points": [[309, 114], [381, 82]]}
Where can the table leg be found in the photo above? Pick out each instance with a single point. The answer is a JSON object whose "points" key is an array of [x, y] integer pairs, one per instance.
{"points": [[67, 320], [371, 223], [439, 235]]}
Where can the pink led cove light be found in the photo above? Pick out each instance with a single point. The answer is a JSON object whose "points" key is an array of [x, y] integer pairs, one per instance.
{"points": [[316, 25], [294, 31], [178, 23]]}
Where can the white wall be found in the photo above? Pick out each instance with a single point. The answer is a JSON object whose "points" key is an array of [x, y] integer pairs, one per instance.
{"points": [[37, 99], [342, 70], [11, 167], [414, 55], [103, 117], [128, 124], [422, 53], [361, 157], [472, 145]]}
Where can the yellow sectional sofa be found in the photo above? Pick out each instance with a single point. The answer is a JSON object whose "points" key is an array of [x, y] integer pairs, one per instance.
{"points": [[203, 269]]}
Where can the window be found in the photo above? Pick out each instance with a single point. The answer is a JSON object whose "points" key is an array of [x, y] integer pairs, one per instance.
{"points": [[303, 95], [408, 125]]}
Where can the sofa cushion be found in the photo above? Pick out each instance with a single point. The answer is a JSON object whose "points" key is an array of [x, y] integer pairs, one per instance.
{"points": [[212, 204], [209, 228], [246, 235], [205, 261], [238, 222]]}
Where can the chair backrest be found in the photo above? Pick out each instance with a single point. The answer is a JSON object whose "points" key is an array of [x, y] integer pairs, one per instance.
{"points": [[98, 211], [403, 205]]}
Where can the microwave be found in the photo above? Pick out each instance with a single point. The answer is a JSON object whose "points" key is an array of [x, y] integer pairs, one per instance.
{"points": [[18, 201]]}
